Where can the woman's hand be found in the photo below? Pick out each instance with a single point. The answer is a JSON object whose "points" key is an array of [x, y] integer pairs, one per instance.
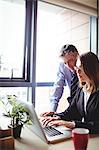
{"points": [[47, 114], [68, 124], [46, 120]]}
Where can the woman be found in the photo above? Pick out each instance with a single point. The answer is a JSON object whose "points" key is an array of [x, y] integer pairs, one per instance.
{"points": [[84, 109]]}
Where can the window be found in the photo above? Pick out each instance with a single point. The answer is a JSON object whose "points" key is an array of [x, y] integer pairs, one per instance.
{"points": [[56, 26], [12, 32], [15, 48], [23, 59]]}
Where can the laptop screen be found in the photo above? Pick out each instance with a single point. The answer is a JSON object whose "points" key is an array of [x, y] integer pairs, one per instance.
{"points": [[36, 126]]}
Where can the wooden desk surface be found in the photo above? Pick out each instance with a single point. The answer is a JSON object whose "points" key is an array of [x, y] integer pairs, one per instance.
{"points": [[29, 141]]}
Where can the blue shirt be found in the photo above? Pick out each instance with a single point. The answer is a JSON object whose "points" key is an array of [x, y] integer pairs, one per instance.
{"points": [[64, 76]]}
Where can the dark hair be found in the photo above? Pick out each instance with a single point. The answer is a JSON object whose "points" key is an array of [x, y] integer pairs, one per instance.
{"points": [[90, 64], [67, 49]]}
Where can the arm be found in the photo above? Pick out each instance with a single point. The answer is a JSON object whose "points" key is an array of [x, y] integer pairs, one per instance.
{"points": [[93, 126], [56, 95], [58, 88], [71, 113], [91, 118]]}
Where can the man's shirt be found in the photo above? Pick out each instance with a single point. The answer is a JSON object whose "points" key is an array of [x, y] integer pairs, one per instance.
{"points": [[64, 76]]}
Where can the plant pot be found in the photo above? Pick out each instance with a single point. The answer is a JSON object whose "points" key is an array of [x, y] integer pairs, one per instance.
{"points": [[16, 130]]}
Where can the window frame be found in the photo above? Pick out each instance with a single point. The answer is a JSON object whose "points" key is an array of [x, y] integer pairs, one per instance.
{"points": [[6, 81]]}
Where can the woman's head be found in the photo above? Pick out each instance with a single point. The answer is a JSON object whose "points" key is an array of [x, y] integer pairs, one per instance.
{"points": [[88, 71]]}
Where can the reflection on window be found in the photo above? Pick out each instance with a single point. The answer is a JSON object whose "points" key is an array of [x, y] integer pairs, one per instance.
{"points": [[12, 24]]}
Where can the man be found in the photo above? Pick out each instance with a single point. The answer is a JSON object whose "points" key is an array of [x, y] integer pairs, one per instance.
{"points": [[69, 54]]}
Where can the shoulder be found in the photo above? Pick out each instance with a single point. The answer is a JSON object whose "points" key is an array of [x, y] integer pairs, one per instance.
{"points": [[64, 71], [63, 67], [95, 94], [61, 64], [79, 93]]}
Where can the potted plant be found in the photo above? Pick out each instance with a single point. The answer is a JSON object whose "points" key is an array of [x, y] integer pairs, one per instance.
{"points": [[18, 113]]}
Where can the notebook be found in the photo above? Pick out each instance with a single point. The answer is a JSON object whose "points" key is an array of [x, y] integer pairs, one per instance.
{"points": [[36, 127]]}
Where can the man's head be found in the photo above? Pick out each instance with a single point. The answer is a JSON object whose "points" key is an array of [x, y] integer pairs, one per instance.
{"points": [[69, 54]]}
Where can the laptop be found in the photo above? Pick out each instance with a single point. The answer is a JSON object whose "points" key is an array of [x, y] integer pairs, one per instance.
{"points": [[61, 133]]}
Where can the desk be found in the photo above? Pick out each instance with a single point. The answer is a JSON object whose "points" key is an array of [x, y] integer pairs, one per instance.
{"points": [[29, 141]]}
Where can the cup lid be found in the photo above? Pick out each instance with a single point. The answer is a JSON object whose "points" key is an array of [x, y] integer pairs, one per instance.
{"points": [[80, 131]]}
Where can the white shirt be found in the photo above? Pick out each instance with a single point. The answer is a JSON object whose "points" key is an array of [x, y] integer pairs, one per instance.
{"points": [[86, 97]]}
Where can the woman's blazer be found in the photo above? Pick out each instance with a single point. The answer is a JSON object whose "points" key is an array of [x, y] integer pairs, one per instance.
{"points": [[75, 112]]}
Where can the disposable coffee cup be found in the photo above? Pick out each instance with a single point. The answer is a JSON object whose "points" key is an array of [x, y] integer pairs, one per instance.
{"points": [[80, 138]]}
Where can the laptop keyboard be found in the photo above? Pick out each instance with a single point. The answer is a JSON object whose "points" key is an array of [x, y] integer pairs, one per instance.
{"points": [[50, 131]]}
